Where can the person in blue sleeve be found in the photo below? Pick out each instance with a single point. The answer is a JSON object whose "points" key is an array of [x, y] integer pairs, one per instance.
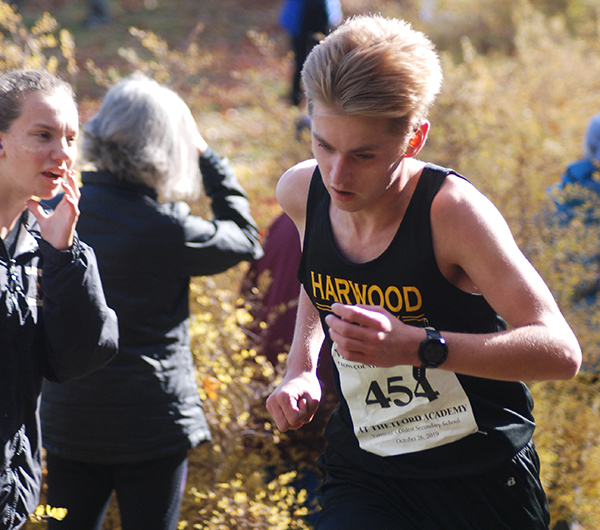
{"points": [[54, 321], [576, 200], [576, 195], [128, 427], [305, 20]]}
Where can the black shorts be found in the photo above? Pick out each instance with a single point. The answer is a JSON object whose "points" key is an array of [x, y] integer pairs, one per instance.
{"points": [[509, 497]]}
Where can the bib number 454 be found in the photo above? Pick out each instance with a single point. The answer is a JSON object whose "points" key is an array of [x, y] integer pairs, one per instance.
{"points": [[401, 395]]}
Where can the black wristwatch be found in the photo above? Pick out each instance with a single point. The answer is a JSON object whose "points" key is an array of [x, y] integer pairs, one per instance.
{"points": [[433, 350]]}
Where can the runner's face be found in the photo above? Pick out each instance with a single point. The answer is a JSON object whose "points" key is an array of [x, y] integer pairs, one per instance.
{"points": [[40, 145], [358, 157]]}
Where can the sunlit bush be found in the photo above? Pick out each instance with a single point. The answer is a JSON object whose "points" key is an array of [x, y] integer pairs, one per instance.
{"points": [[511, 124], [44, 45], [233, 488]]}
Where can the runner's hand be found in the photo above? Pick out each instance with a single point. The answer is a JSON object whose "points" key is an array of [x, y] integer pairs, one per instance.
{"points": [[295, 401], [372, 335]]}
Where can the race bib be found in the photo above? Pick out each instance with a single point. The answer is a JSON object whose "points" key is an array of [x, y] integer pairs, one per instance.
{"points": [[404, 409]]}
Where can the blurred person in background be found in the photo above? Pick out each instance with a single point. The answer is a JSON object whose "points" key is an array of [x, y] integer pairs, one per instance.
{"points": [[583, 175], [576, 196], [433, 315], [98, 13], [307, 21], [128, 428], [54, 321], [576, 199]]}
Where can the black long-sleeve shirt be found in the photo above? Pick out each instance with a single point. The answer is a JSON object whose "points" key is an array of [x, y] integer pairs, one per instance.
{"points": [[54, 323], [145, 404]]}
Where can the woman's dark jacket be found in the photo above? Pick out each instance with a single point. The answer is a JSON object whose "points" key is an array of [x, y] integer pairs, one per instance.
{"points": [[145, 403], [54, 323]]}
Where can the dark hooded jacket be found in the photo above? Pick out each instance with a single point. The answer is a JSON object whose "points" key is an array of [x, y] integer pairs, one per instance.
{"points": [[145, 404], [54, 323]]}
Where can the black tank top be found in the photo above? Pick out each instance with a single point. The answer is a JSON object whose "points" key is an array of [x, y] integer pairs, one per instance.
{"points": [[403, 421]]}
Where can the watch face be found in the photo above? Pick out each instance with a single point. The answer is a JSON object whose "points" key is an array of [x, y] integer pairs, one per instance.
{"points": [[434, 352]]}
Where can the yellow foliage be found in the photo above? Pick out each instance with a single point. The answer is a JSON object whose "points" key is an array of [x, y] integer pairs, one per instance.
{"points": [[34, 48], [274, 508], [43, 512], [567, 413], [234, 383], [511, 124]]}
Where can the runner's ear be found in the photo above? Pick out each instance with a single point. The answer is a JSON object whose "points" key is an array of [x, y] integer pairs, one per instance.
{"points": [[416, 143]]}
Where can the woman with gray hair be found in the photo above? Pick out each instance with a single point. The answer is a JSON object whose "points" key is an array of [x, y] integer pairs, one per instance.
{"points": [[129, 427]]}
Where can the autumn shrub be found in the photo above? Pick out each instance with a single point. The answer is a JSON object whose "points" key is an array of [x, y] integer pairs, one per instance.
{"points": [[44, 45], [232, 487], [511, 124]]}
